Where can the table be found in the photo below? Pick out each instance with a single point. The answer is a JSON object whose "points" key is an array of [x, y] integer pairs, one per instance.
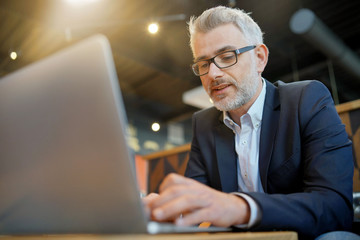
{"points": [[280, 235]]}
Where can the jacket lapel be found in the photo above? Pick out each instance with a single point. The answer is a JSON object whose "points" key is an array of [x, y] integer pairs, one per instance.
{"points": [[270, 122], [226, 157]]}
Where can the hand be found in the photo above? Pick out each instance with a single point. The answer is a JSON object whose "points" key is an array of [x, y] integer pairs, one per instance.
{"points": [[148, 199], [196, 203]]}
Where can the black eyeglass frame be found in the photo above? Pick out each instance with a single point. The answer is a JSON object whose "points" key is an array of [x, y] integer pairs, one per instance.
{"points": [[212, 60]]}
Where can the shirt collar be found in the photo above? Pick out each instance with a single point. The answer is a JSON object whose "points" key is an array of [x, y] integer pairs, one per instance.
{"points": [[255, 111]]}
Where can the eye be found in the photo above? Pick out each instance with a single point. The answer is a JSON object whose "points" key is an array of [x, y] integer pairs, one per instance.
{"points": [[203, 65], [226, 57]]}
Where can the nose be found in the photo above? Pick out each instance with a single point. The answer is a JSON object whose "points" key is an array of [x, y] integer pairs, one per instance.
{"points": [[214, 71]]}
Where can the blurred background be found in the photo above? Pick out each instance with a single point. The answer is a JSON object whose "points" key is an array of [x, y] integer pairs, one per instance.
{"points": [[153, 67]]}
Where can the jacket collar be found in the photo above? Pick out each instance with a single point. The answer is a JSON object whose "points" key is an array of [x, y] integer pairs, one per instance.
{"points": [[269, 128]]}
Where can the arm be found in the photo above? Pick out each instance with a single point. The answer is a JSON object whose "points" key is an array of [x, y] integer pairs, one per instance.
{"points": [[323, 199]]}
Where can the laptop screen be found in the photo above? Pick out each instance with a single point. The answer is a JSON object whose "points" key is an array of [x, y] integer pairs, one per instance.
{"points": [[64, 162]]}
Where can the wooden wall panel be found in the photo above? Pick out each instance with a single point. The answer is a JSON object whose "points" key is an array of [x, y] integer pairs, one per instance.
{"points": [[350, 116], [160, 167]]}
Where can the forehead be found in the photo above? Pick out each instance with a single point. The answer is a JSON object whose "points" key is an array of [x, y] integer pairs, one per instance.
{"points": [[207, 44]]}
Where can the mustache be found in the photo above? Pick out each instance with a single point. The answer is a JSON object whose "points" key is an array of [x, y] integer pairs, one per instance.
{"points": [[217, 82], [220, 81]]}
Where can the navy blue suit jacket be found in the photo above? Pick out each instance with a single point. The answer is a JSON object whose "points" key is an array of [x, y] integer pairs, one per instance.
{"points": [[305, 160]]}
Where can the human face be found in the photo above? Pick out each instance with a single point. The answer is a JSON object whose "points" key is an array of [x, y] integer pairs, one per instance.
{"points": [[232, 87]]}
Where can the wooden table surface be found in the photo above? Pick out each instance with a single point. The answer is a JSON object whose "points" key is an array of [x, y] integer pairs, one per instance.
{"points": [[286, 235]]}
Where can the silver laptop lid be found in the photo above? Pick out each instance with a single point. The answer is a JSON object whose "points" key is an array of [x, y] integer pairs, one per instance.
{"points": [[64, 160]]}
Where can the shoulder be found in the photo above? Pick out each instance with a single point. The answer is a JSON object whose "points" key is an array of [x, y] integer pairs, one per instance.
{"points": [[300, 86], [302, 91], [306, 101]]}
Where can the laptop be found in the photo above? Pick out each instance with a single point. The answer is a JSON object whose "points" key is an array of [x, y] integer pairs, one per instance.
{"points": [[65, 166]]}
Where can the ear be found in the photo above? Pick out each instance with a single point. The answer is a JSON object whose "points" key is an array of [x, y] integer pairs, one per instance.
{"points": [[261, 56]]}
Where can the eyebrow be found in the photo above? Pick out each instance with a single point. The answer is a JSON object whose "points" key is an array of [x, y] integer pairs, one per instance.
{"points": [[223, 49]]}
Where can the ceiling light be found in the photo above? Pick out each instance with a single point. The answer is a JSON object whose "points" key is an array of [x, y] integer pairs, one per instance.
{"points": [[79, 2], [153, 28], [155, 127], [13, 55]]}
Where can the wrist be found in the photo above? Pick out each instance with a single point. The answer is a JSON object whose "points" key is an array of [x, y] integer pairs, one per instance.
{"points": [[243, 209]]}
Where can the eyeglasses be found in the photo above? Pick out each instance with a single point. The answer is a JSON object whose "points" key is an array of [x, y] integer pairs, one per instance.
{"points": [[222, 60]]}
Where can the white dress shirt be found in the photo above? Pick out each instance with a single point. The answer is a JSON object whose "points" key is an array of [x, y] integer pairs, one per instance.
{"points": [[247, 142]]}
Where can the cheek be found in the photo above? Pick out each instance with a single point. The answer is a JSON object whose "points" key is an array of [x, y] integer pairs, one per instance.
{"points": [[238, 74], [203, 81], [246, 68]]}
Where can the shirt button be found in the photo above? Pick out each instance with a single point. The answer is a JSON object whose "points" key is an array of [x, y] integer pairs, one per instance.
{"points": [[244, 142], [257, 125]]}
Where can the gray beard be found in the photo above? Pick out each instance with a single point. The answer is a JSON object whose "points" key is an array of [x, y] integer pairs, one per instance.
{"points": [[245, 91]]}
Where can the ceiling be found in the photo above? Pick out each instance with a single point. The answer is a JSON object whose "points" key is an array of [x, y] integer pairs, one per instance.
{"points": [[153, 70]]}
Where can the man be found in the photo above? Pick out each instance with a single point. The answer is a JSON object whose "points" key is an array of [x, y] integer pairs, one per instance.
{"points": [[267, 156]]}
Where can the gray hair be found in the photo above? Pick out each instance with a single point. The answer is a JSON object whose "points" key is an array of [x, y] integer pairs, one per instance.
{"points": [[221, 15]]}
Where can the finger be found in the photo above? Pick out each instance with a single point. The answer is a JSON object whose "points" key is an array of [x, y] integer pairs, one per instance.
{"points": [[177, 206], [179, 191], [149, 198], [183, 197], [146, 203], [166, 196], [205, 215], [195, 217], [173, 179]]}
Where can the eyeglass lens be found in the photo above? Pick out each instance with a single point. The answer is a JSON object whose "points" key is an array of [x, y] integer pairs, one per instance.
{"points": [[222, 60]]}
